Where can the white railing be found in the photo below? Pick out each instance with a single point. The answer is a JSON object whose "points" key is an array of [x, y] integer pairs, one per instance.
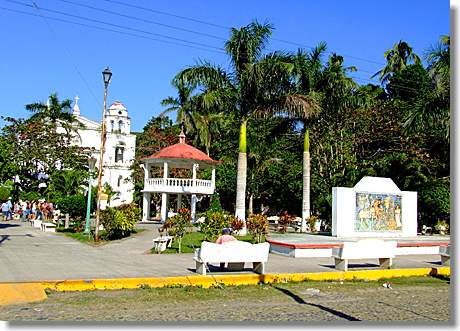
{"points": [[180, 184]]}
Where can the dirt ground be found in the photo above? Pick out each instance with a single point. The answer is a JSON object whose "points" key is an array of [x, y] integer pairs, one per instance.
{"points": [[414, 299]]}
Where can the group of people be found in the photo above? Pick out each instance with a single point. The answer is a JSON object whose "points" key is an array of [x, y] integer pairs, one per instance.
{"points": [[23, 210]]}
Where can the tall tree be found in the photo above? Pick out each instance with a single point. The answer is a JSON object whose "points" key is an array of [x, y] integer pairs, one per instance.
{"points": [[397, 59], [256, 82]]}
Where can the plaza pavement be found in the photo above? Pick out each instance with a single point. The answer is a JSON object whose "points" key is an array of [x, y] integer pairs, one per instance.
{"points": [[28, 254]]}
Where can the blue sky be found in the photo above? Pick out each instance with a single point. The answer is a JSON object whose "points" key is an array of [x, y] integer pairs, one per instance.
{"points": [[41, 55]]}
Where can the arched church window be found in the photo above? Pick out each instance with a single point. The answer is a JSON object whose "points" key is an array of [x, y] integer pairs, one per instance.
{"points": [[120, 178], [121, 126], [112, 126], [119, 151]]}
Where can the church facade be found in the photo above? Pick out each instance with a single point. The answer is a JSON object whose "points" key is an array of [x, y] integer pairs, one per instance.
{"points": [[119, 151]]}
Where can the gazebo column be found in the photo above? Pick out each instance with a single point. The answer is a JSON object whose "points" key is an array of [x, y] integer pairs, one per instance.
{"points": [[213, 178], [193, 207], [146, 207], [179, 201], [164, 207]]}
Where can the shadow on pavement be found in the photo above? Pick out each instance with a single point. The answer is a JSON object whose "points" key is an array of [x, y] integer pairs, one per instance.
{"points": [[5, 237], [6, 225], [329, 310]]}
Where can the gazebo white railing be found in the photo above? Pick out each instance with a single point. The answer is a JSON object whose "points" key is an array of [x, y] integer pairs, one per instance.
{"points": [[179, 185]]}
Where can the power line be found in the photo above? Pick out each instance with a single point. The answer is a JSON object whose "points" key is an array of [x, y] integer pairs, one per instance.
{"points": [[69, 56], [219, 50], [115, 25], [143, 20], [104, 29], [226, 27]]}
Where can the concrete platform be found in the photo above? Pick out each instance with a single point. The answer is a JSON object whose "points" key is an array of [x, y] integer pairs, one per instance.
{"points": [[321, 245]]}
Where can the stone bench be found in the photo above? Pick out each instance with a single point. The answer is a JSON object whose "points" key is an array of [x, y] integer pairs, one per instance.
{"points": [[385, 251], [444, 251], [235, 253], [48, 227], [160, 243]]}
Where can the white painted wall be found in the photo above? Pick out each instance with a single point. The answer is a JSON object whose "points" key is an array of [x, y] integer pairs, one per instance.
{"points": [[344, 208], [90, 137]]}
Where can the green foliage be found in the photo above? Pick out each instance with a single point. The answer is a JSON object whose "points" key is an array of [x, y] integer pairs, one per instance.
{"points": [[434, 202], [257, 225], [74, 205], [119, 221], [215, 203], [30, 196], [214, 223], [5, 193]]}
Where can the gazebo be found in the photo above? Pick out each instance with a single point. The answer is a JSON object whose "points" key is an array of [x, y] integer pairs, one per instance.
{"points": [[179, 156]]}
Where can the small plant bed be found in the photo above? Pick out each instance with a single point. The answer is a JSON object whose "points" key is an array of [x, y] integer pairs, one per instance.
{"points": [[193, 240], [89, 239]]}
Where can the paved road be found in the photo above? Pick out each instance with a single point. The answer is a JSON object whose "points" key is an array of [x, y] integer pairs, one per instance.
{"points": [[28, 254], [422, 300]]}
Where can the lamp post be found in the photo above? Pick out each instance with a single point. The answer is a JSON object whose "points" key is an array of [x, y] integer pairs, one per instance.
{"points": [[106, 75], [91, 164]]}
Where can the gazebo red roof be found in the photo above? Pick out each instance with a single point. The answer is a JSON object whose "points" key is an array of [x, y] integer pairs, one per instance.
{"points": [[182, 150]]}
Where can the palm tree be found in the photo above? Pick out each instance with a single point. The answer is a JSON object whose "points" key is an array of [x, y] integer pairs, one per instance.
{"points": [[256, 83], [182, 104], [307, 70], [433, 109], [397, 59], [438, 58], [54, 110]]}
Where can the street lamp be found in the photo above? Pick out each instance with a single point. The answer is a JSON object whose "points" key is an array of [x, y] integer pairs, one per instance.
{"points": [[106, 75], [91, 164]]}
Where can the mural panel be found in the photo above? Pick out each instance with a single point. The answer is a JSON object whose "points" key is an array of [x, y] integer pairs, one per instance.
{"points": [[378, 212]]}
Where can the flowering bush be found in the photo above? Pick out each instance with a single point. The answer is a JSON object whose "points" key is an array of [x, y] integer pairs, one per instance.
{"points": [[284, 221], [179, 224], [257, 225]]}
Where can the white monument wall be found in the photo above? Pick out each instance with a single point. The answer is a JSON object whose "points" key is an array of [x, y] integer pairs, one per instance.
{"points": [[345, 212]]}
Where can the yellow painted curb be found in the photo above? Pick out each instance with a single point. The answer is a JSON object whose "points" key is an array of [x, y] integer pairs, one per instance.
{"points": [[16, 293], [245, 279]]}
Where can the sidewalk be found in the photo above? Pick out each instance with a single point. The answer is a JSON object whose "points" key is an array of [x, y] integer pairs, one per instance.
{"points": [[28, 254]]}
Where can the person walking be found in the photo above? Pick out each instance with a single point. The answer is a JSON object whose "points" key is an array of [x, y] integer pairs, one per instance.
{"points": [[5, 211], [10, 209]]}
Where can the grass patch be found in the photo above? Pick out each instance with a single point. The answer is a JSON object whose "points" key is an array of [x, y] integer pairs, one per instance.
{"points": [[193, 240], [190, 294], [89, 239]]}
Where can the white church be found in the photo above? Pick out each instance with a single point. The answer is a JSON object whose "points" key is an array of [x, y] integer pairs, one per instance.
{"points": [[119, 149]]}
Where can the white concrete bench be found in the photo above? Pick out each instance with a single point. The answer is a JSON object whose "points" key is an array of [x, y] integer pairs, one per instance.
{"points": [[385, 251], [236, 253], [160, 243], [444, 251], [48, 227], [37, 223]]}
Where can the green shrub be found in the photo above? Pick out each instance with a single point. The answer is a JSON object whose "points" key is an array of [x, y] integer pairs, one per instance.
{"points": [[74, 205], [119, 221], [5, 193], [30, 196], [434, 202], [214, 223], [257, 225]]}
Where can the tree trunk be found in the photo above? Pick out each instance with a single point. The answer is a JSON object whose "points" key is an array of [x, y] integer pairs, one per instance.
{"points": [[241, 179], [251, 204], [306, 182]]}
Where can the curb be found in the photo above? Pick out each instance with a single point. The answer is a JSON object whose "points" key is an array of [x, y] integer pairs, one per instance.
{"points": [[229, 280], [16, 293]]}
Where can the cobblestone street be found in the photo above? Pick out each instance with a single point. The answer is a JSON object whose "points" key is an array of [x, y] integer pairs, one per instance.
{"points": [[422, 299]]}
